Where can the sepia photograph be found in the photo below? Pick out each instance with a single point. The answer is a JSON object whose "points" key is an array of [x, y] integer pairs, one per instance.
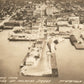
{"points": [[41, 41]]}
